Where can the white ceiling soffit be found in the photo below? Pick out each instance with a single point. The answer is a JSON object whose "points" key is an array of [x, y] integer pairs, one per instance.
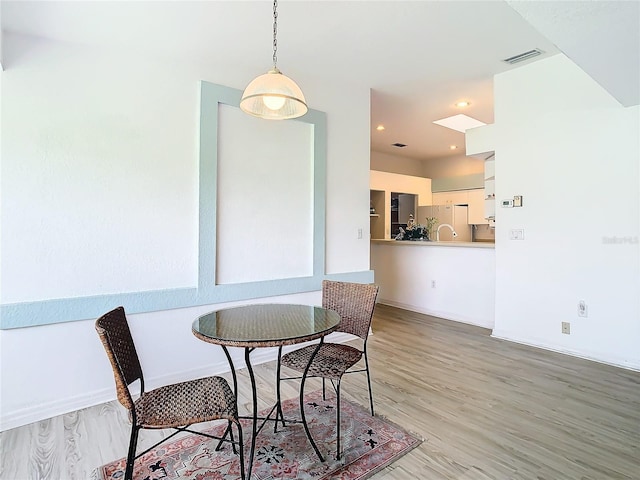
{"points": [[602, 37]]}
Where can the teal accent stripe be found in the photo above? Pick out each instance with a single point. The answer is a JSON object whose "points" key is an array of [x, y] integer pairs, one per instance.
{"points": [[19, 315], [82, 308], [207, 292]]}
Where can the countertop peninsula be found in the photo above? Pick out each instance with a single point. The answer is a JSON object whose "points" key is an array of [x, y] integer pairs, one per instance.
{"points": [[419, 243]]}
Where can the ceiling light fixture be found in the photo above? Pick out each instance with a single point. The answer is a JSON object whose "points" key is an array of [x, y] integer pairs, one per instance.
{"points": [[380, 128], [273, 96], [462, 104], [453, 147]]}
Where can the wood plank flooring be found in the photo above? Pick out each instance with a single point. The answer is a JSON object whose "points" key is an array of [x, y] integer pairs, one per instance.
{"points": [[487, 409]]}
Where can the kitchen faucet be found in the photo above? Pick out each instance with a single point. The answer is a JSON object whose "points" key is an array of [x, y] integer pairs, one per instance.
{"points": [[445, 225]]}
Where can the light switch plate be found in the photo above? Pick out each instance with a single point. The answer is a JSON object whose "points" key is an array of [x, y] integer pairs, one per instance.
{"points": [[517, 201], [516, 234]]}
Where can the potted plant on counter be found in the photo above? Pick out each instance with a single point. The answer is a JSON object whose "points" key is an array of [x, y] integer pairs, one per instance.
{"points": [[416, 231]]}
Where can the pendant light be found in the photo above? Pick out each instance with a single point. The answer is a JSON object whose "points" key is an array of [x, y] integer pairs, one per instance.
{"points": [[273, 96]]}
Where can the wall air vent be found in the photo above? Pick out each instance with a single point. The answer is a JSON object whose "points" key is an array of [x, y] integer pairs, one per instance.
{"points": [[523, 56], [399, 145]]}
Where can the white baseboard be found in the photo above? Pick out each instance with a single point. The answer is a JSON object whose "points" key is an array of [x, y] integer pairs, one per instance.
{"points": [[508, 336], [587, 355], [435, 313], [43, 411]]}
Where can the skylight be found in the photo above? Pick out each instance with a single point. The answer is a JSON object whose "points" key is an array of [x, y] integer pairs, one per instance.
{"points": [[460, 122]]}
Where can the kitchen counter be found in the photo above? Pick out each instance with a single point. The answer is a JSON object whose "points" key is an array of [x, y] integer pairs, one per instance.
{"points": [[419, 243], [452, 280]]}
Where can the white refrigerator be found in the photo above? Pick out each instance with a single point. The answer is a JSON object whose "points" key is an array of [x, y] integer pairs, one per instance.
{"points": [[454, 215]]}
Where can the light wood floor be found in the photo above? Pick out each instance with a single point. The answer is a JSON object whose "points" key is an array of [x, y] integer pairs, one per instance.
{"points": [[487, 409]]}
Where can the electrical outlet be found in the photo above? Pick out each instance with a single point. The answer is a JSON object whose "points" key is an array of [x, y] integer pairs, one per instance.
{"points": [[582, 309], [359, 234], [566, 328], [433, 284], [516, 234]]}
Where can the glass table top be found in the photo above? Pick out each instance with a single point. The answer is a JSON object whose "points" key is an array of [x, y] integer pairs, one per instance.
{"points": [[265, 325]]}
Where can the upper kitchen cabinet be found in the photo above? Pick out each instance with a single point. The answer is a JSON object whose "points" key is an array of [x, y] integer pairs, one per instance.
{"points": [[474, 198], [456, 197]]}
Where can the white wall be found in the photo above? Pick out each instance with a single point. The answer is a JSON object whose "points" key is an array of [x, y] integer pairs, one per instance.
{"points": [[385, 162], [464, 280], [453, 166], [101, 144], [572, 151], [263, 185], [99, 158], [53, 369]]}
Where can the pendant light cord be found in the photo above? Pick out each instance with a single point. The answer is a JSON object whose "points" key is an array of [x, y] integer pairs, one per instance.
{"points": [[275, 33]]}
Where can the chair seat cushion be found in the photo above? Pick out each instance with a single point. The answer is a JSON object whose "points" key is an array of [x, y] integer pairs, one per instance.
{"points": [[331, 361], [185, 403]]}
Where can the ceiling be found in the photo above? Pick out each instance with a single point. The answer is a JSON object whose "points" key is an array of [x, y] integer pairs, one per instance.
{"points": [[419, 58]]}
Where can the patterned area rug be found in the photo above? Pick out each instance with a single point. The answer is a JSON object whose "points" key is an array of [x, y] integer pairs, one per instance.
{"points": [[369, 444]]}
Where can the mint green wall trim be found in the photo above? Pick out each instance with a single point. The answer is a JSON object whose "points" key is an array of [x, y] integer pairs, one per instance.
{"points": [[47, 312], [206, 292], [463, 182]]}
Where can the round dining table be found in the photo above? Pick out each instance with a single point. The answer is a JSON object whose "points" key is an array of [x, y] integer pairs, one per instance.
{"points": [[261, 326]]}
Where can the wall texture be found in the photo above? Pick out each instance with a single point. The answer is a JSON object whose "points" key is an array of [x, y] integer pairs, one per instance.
{"points": [[454, 166], [456, 283], [571, 151], [100, 195], [384, 162]]}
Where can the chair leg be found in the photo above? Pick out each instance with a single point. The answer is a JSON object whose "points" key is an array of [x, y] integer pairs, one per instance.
{"points": [[228, 431], [338, 419], [131, 455], [366, 363], [233, 445]]}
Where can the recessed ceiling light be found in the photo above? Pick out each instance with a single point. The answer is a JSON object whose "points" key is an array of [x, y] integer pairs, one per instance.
{"points": [[462, 104], [459, 123], [453, 147], [380, 128], [399, 145]]}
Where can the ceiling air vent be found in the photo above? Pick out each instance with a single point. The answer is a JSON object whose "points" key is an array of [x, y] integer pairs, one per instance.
{"points": [[399, 145], [523, 56]]}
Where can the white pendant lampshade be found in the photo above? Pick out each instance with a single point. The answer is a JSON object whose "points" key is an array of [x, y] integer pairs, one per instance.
{"points": [[273, 96]]}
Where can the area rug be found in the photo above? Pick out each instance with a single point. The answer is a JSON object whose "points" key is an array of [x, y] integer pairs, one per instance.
{"points": [[369, 444]]}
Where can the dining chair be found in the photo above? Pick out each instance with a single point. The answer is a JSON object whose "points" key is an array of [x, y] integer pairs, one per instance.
{"points": [[354, 302], [176, 406]]}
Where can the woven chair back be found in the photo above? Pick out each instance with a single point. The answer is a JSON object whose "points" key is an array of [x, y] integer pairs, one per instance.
{"points": [[114, 332], [354, 302]]}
